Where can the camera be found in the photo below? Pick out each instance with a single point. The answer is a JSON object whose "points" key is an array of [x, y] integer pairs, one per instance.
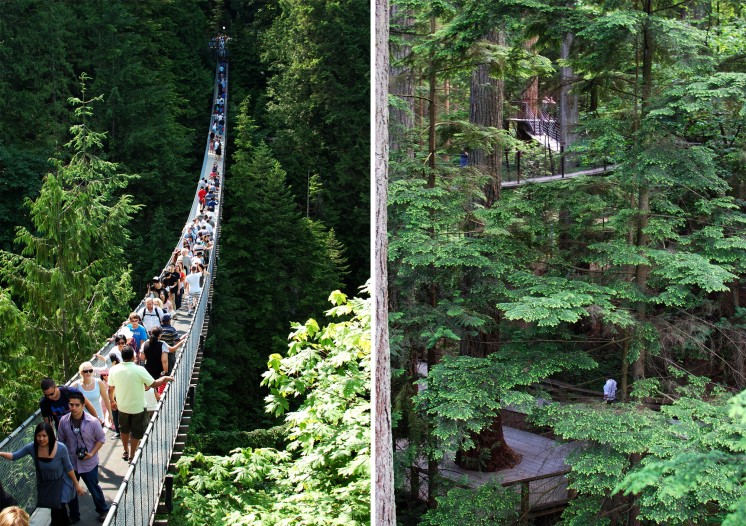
{"points": [[81, 452]]}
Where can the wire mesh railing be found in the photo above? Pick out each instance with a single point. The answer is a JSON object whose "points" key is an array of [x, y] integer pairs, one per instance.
{"points": [[137, 499], [538, 120]]}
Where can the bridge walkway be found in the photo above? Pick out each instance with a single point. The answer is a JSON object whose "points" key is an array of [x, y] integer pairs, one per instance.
{"points": [[112, 468], [134, 489], [556, 177]]}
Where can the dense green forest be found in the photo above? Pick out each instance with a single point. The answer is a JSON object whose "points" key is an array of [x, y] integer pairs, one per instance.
{"points": [[104, 112], [295, 228], [91, 91], [142, 75], [500, 291]]}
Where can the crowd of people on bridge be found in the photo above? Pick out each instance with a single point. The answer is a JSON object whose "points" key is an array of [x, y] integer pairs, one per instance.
{"points": [[122, 398], [217, 124], [135, 373]]}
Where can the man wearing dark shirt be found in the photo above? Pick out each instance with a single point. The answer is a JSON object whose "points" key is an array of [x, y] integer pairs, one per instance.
{"points": [[55, 403], [170, 337], [171, 280]]}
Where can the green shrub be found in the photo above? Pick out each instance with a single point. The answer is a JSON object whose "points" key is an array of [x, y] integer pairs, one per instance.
{"points": [[223, 442]]}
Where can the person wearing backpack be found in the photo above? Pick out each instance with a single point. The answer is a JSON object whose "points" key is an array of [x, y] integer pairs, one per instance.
{"points": [[169, 336], [150, 315]]}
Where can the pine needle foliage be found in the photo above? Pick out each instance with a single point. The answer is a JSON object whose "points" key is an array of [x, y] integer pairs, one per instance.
{"points": [[279, 266], [681, 465], [463, 395], [71, 279], [489, 504]]}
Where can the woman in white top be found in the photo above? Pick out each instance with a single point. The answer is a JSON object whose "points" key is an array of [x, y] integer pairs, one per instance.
{"points": [[166, 303], [93, 389]]}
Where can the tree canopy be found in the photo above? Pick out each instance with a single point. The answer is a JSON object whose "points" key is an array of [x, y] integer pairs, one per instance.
{"points": [[635, 272], [323, 475]]}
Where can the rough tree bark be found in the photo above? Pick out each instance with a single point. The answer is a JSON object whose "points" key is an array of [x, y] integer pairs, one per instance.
{"points": [[491, 452], [530, 95], [568, 103], [401, 80], [383, 509], [486, 109]]}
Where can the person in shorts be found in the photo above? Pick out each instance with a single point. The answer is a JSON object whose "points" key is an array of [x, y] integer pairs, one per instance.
{"points": [[127, 382]]}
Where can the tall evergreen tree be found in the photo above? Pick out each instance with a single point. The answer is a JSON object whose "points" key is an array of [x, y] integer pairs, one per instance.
{"points": [[319, 113], [632, 268], [278, 267], [72, 280]]}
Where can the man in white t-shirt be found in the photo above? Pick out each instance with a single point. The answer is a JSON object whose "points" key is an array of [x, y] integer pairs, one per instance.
{"points": [[610, 390], [127, 382], [150, 315], [193, 288]]}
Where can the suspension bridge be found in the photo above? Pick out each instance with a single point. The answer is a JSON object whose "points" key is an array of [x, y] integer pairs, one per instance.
{"points": [[140, 491], [544, 128]]}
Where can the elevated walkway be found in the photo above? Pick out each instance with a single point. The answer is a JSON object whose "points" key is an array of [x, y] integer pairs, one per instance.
{"points": [[557, 177], [540, 477], [538, 124]]}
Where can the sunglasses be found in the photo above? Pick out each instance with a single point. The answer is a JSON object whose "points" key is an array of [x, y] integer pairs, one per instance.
{"points": [[87, 371]]}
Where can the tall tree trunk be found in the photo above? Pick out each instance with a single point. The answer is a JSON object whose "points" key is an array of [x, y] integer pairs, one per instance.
{"points": [[647, 58], [568, 102], [530, 94], [401, 80], [642, 271], [643, 199], [491, 452], [625, 368], [486, 109], [568, 107], [384, 512], [432, 355]]}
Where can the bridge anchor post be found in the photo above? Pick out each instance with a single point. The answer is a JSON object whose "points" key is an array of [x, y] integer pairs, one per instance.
{"points": [[525, 503], [168, 493]]}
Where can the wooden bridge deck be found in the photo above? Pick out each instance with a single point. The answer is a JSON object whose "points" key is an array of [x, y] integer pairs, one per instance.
{"points": [[542, 459], [541, 456], [546, 140]]}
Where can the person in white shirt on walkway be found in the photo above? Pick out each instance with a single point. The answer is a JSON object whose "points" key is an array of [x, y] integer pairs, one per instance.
{"points": [[150, 315], [610, 390], [194, 288], [127, 383]]}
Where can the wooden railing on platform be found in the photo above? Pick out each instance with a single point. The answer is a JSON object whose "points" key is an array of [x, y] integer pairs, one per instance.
{"points": [[536, 507]]}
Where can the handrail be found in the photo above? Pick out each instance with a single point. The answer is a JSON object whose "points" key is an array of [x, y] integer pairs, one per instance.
{"points": [[543, 476], [541, 121]]}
